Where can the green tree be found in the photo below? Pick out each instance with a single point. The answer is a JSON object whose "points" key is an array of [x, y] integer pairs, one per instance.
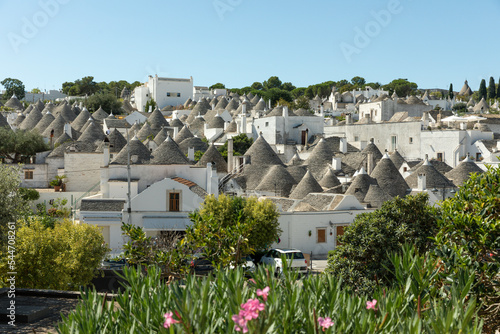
{"points": [[20, 145], [35, 91], [228, 228], [62, 258], [482, 90], [272, 82], [492, 89], [358, 81], [288, 86], [298, 92], [301, 102], [469, 233], [275, 94], [402, 87], [13, 201], [450, 91], [150, 103], [217, 85], [460, 107], [374, 85], [257, 86], [108, 102], [241, 143], [498, 89], [13, 86], [362, 258]]}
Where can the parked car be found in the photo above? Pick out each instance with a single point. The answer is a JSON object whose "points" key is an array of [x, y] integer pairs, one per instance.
{"points": [[199, 264], [114, 263], [248, 265], [294, 257]]}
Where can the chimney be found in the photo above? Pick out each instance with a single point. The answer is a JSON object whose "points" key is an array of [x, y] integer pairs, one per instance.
{"points": [[176, 131], [343, 145], [191, 153], [348, 119], [243, 121], [322, 109], [368, 118], [105, 150], [421, 182], [337, 163], [230, 159], [67, 129], [369, 163], [285, 111]]}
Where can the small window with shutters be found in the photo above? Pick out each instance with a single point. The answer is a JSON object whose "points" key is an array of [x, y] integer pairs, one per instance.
{"points": [[340, 231], [28, 175], [174, 201], [321, 235]]}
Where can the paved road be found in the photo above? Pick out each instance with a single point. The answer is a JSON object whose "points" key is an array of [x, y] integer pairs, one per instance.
{"points": [[319, 265]]}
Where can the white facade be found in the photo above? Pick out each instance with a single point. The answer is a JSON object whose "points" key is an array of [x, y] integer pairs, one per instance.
{"points": [[164, 91], [51, 95]]}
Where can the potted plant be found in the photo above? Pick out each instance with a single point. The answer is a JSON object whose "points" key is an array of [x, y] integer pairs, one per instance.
{"points": [[58, 182]]}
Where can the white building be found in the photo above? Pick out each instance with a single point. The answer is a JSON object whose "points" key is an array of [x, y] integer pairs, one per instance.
{"points": [[164, 91]]}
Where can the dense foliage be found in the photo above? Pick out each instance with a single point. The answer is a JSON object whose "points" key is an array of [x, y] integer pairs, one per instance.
{"points": [[13, 201], [241, 143], [108, 102], [312, 304], [20, 145], [362, 259], [64, 257], [13, 86], [402, 87], [227, 228]]}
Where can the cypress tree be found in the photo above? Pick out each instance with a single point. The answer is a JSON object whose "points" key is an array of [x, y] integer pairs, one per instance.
{"points": [[491, 89], [482, 90], [498, 89], [450, 91]]}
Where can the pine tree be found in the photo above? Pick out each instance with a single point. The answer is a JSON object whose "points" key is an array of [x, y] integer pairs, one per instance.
{"points": [[482, 90], [450, 92], [491, 89]]}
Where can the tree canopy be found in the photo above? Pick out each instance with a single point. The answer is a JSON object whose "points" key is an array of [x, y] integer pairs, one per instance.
{"points": [[402, 87], [108, 102], [227, 228], [217, 85], [87, 86], [362, 257], [13, 201], [492, 89], [20, 145], [482, 90], [241, 143], [64, 257], [13, 86]]}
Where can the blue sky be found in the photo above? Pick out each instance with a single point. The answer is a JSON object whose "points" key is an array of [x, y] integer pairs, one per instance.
{"points": [[238, 42]]}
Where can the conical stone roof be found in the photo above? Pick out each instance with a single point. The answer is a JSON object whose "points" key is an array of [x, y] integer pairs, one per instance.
{"points": [[187, 103], [262, 154], [168, 153], [145, 132], [183, 134], [297, 172], [3, 122], [307, 185], [176, 123], [139, 154], [216, 123], [14, 103], [100, 114], [66, 112], [212, 155], [64, 138], [260, 105], [376, 196], [57, 125], [31, 119], [116, 142], [277, 180], [221, 105], [329, 180], [255, 100], [199, 110], [81, 119], [40, 105], [397, 159], [197, 126], [434, 179], [231, 127], [136, 127], [27, 110], [481, 107], [92, 133], [465, 91], [389, 178], [157, 121], [372, 148], [44, 123], [194, 142], [319, 158], [161, 136], [462, 172], [360, 185], [19, 119], [232, 105]]}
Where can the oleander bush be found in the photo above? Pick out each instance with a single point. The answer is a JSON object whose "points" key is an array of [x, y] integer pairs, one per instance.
{"points": [[227, 302]]}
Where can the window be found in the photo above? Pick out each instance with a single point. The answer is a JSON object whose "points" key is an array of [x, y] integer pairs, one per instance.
{"points": [[174, 201], [393, 143], [168, 94], [28, 175], [178, 94], [321, 235], [267, 123], [356, 138], [411, 140], [478, 156], [440, 156]]}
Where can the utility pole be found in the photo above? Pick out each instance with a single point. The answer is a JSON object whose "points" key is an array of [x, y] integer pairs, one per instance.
{"points": [[129, 209]]}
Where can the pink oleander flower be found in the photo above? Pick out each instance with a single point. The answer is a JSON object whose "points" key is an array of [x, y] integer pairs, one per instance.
{"points": [[325, 322], [169, 320], [371, 305], [240, 323], [263, 293]]}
